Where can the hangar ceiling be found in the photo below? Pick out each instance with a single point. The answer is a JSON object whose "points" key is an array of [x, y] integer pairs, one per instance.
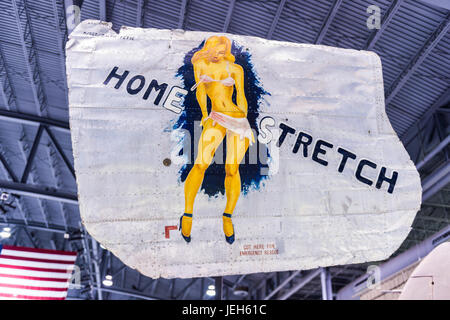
{"points": [[37, 180]]}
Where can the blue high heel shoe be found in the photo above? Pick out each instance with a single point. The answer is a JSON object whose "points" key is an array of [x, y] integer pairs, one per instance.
{"points": [[229, 239], [187, 239]]}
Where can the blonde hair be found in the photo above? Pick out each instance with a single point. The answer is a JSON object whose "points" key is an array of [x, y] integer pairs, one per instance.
{"points": [[211, 43]]}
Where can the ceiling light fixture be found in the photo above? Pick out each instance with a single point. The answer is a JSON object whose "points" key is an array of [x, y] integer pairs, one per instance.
{"points": [[107, 282]]}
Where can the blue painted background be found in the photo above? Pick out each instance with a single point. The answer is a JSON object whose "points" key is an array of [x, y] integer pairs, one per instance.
{"points": [[213, 183]]}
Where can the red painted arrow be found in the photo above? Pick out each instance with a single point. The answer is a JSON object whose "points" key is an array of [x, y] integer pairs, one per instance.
{"points": [[167, 230]]}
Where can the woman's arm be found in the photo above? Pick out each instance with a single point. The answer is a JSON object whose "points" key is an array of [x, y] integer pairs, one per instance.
{"points": [[200, 92], [240, 93]]}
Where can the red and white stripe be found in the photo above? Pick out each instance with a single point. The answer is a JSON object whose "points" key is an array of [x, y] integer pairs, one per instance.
{"points": [[36, 274]]}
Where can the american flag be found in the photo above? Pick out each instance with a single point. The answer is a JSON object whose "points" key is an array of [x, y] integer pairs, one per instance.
{"points": [[35, 274]]}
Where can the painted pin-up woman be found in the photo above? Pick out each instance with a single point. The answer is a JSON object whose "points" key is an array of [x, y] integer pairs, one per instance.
{"points": [[216, 76]]}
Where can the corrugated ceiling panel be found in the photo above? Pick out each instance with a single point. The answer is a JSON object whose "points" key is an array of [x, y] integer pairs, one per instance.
{"points": [[52, 78], [90, 10], [13, 56], [206, 15], [18, 75], [253, 18], [300, 21], [121, 13], [427, 84], [397, 119], [348, 28], [405, 35], [162, 14], [8, 25], [43, 25], [48, 53]]}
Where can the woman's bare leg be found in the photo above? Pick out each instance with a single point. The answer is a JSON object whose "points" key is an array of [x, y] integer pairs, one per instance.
{"points": [[209, 141], [236, 149]]}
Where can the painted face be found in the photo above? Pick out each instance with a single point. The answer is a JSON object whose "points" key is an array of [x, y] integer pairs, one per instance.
{"points": [[218, 53]]}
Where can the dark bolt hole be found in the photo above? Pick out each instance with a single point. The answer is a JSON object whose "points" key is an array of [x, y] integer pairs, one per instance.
{"points": [[167, 162]]}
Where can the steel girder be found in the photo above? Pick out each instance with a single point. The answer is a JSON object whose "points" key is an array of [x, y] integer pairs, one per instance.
{"points": [[418, 58], [275, 19], [229, 14], [140, 13], [376, 34], [182, 14], [30, 53], [228, 19], [416, 128], [6, 90], [328, 20]]}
